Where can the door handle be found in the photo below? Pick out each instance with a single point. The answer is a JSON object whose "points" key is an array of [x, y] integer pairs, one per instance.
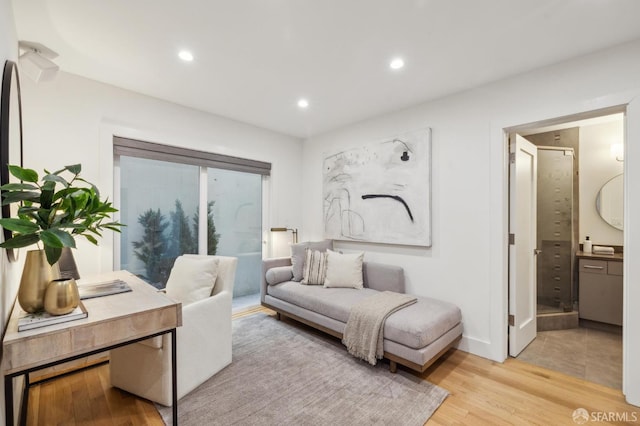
{"points": [[537, 251]]}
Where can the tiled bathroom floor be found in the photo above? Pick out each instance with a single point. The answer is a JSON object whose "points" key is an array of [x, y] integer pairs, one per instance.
{"points": [[585, 353]]}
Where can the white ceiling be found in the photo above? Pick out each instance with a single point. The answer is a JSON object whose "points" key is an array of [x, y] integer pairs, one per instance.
{"points": [[255, 58]]}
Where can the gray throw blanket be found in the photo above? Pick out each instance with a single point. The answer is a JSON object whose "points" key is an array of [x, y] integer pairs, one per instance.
{"points": [[363, 335]]}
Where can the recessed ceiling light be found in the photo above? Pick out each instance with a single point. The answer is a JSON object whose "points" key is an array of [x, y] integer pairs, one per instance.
{"points": [[185, 55], [396, 63], [303, 103]]}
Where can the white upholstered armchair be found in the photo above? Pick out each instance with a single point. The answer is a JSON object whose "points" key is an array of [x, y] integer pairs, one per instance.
{"points": [[203, 341]]}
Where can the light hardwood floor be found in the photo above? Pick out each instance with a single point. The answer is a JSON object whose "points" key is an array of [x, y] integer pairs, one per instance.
{"points": [[482, 392]]}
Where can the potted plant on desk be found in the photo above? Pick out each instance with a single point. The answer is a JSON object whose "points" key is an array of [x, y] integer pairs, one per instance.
{"points": [[53, 211]]}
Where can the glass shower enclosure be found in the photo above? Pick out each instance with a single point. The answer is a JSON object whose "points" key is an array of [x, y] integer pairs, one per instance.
{"points": [[555, 263]]}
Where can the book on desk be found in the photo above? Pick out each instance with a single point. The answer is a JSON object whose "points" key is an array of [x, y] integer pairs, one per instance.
{"points": [[105, 288], [29, 321]]}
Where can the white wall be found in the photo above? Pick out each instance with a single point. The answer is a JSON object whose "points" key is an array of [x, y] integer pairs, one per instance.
{"points": [[598, 166], [8, 37], [73, 119], [467, 263]]}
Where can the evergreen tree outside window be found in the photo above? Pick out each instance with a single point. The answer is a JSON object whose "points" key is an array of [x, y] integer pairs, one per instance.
{"points": [[182, 240], [151, 248], [212, 237]]}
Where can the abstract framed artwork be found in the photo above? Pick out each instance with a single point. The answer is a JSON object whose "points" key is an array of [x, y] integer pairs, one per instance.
{"points": [[380, 192]]}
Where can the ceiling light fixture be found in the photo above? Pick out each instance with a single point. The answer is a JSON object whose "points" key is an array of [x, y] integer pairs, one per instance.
{"points": [[36, 62], [303, 103], [396, 63], [185, 55]]}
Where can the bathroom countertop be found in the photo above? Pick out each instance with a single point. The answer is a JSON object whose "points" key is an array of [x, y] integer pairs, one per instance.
{"points": [[617, 256]]}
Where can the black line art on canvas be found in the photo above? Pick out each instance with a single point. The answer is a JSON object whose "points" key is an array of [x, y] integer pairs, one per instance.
{"points": [[393, 197]]}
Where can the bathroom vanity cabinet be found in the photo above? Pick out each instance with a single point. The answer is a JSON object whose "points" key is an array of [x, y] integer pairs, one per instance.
{"points": [[600, 287]]}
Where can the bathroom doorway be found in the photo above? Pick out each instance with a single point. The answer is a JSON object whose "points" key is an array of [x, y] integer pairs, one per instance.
{"points": [[576, 160]]}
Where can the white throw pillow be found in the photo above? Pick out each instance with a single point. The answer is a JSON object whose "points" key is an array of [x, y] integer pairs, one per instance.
{"points": [[192, 278], [344, 270]]}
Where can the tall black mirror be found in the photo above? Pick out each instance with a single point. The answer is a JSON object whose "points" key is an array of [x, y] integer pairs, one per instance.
{"points": [[10, 135]]}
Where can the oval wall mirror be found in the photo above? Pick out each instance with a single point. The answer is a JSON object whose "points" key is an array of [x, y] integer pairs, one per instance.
{"points": [[10, 136], [609, 202]]}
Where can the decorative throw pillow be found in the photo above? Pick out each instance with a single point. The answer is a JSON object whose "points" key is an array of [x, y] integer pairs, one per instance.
{"points": [[278, 275], [315, 267], [192, 278], [298, 255], [344, 270]]}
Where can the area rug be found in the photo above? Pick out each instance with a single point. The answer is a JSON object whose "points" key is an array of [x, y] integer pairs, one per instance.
{"points": [[284, 373]]}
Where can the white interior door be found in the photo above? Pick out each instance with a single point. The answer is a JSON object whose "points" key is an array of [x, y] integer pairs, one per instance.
{"points": [[522, 245]]}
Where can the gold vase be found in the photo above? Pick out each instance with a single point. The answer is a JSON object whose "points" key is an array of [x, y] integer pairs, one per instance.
{"points": [[61, 296], [36, 276]]}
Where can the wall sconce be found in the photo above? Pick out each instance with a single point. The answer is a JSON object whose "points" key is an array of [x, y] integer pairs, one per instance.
{"points": [[617, 151], [36, 62], [293, 230]]}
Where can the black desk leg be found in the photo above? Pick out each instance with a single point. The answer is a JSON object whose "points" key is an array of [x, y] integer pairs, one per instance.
{"points": [[9, 416], [174, 377], [25, 400], [8, 400]]}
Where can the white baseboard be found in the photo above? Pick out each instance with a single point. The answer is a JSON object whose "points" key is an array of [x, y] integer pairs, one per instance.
{"points": [[480, 347]]}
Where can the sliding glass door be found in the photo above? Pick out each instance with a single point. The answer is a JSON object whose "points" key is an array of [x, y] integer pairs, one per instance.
{"points": [[161, 203]]}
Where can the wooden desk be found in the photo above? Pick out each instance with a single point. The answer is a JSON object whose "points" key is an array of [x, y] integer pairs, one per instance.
{"points": [[113, 321]]}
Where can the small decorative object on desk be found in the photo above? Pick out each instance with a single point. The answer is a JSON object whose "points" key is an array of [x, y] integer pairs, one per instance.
{"points": [[29, 321], [103, 289], [61, 296]]}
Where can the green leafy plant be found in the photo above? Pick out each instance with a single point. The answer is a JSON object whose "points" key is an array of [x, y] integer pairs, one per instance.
{"points": [[54, 210]]}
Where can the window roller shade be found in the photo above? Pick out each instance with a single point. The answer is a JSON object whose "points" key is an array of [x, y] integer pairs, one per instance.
{"points": [[156, 151]]}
